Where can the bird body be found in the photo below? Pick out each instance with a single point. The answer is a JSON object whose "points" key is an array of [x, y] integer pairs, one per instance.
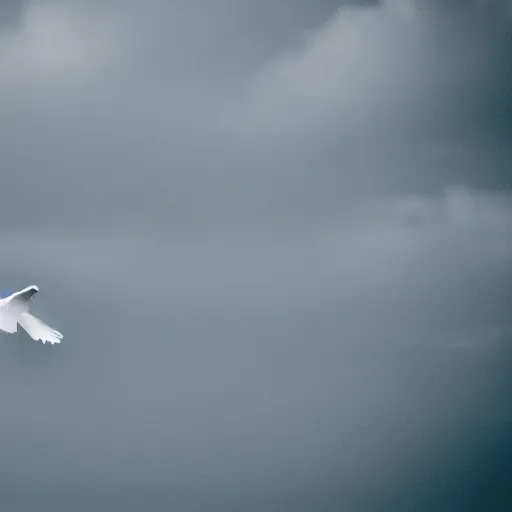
{"points": [[14, 310]]}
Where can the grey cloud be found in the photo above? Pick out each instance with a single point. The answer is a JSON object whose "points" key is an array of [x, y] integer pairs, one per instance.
{"points": [[10, 13], [164, 138]]}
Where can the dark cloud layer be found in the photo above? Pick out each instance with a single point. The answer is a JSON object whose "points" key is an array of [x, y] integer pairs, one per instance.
{"points": [[277, 239]]}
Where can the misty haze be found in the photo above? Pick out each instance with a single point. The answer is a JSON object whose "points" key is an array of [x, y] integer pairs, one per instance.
{"points": [[277, 238]]}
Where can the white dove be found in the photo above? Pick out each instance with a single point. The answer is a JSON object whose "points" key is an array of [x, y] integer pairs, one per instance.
{"points": [[14, 311]]}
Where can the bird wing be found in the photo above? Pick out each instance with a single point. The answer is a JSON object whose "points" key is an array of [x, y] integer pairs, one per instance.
{"points": [[12, 305], [19, 300], [38, 330]]}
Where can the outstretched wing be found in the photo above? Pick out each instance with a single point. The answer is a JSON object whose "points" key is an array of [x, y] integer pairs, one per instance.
{"points": [[14, 304], [38, 330], [14, 310], [20, 300]]}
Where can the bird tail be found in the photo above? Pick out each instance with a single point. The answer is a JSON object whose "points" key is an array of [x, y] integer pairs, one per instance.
{"points": [[38, 330]]}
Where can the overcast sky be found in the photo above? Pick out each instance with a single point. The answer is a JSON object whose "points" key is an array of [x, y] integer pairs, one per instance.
{"points": [[277, 238]]}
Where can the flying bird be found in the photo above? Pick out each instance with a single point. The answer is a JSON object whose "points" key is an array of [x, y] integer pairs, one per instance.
{"points": [[14, 310]]}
